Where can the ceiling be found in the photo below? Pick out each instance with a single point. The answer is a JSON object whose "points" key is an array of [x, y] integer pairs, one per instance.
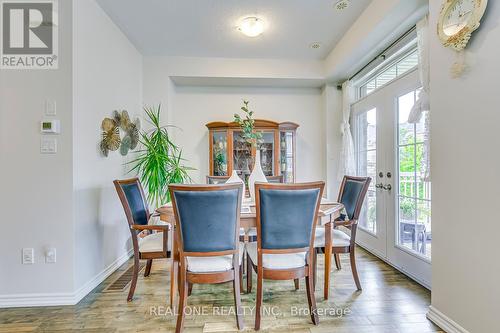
{"points": [[207, 28]]}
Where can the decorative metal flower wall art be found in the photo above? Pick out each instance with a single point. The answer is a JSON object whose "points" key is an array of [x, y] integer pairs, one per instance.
{"points": [[110, 136], [111, 139]]}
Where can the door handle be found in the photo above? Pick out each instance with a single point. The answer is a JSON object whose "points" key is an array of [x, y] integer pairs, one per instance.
{"points": [[387, 187], [379, 185]]}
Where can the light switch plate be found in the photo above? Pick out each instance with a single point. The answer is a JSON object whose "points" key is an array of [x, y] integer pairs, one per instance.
{"points": [[48, 145], [50, 256], [50, 108]]}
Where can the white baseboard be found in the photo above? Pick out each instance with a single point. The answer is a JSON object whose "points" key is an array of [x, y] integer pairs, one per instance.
{"points": [[55, 299], [445, 323], [99, 278]]}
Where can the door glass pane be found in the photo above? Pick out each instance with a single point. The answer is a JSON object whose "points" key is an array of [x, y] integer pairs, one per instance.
{"points": [[406, 133], [407, 181], [286, 156], [366, 160], [414, 196], [267, 153], [242, 156], [219, 144], [424, 219]]}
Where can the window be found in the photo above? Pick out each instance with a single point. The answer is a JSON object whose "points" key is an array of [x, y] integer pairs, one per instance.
{"points": [[385, 75]]}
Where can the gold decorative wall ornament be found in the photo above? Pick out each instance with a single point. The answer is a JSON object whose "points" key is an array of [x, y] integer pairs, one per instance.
{"points": [[111, 139], [458, 20], [110, 136]]}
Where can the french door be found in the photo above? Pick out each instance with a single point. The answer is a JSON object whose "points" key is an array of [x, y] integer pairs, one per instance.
{"points": [[395, 222]]}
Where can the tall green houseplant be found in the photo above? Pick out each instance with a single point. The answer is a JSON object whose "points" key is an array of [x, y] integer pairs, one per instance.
{"points": [[159, 162]]}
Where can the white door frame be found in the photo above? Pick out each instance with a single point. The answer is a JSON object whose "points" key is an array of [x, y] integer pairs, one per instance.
{"points": [[385, 243]]}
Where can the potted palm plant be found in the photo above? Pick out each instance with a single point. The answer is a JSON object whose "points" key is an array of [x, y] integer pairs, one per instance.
{"points": [[159, 161]]}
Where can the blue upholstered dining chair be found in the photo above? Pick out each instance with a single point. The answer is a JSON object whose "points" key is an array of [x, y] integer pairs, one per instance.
{"points": [[251, 234], [207, 231], [154, 244], [214, 180], [275, 179], [286, 217], [352, 195]]}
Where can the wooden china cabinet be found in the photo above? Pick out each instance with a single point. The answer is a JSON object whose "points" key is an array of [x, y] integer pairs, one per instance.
{"points": [[229, 151]]}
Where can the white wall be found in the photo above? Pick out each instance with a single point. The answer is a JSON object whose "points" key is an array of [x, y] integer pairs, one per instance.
{"points": [[332, 118], [65, 200], [36, 190], [107, 76], [465, 193], [194, 107]]}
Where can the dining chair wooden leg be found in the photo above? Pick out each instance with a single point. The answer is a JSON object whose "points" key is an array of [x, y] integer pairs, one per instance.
{"points": [[328, 259], [311, 299], [147, 271], [315, 269], [243, 263], [328, 268], [240, 274], [135, 274], [249, 274], [237, 300], [182, 300], [337, 260], [296, 282], [190, 289], [258, 302], [354, 269], [173, 280]]}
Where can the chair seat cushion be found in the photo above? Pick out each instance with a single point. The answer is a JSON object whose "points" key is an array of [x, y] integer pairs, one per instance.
{"points": [[251, 232], [151, 243], [213, 264], [339, 238], [277, 261]]}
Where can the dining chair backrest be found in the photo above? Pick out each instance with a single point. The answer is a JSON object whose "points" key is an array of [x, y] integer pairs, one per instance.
{"points": [[286, 214], [217, 179], [275, 179], [133, 200], [208, 216], [352, 195]]}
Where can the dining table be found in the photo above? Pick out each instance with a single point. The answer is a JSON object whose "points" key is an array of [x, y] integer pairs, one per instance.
{"points": [[329, 211]]}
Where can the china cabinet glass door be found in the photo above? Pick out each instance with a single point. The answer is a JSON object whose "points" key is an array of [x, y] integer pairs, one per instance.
{"points": [[267, 153], [242, 156], [219, 153], [287, 156]]}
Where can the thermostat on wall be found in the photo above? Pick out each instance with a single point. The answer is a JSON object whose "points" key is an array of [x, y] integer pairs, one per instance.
{"points": [[50, 126]]}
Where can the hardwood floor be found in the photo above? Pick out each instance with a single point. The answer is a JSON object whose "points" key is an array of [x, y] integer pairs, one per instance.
{"points": [[389, 302]]}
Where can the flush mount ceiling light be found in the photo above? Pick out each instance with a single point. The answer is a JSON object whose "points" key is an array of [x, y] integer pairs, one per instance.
{"points": [[251, 26], [342, 4]]}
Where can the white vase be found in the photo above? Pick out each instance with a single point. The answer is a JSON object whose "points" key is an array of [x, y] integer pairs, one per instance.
{"points": [[257, 175], [236, 179]]}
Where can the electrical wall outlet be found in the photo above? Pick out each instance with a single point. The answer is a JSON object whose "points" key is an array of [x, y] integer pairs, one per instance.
{"points": [[50, 255], [28, 256]]}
